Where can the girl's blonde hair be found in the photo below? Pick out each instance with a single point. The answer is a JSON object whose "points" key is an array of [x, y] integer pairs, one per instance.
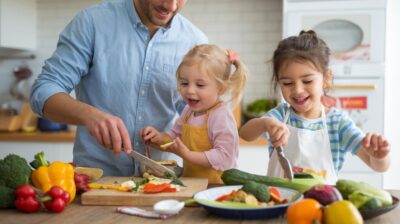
{"points": [[215, 62]]}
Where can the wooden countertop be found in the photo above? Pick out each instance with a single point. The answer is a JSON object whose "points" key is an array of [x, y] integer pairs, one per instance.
{"points": [[77, 213], [64, 136]]}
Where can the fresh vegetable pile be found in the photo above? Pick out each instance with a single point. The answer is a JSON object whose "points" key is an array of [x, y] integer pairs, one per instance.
{"points": [[323, 203], [49, 186], [255, 194], [150, 184]]}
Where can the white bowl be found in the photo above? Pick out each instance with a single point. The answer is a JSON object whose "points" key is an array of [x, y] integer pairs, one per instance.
{"points": [[168, 207]]}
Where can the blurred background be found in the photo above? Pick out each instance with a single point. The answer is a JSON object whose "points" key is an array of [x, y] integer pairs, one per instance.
{"points": [[363, 35]]}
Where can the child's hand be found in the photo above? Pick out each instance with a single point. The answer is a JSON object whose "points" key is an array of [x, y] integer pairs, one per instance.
{"points": [[277, 131], [375, 145], [177, 147], [151, 134]]}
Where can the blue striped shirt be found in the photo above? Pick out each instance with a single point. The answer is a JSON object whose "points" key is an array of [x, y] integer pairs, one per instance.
{"points": [[344, 135], [106, 55]]}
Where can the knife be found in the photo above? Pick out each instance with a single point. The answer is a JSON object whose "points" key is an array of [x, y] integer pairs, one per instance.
{"points": [[285, 163], [160, 169]]}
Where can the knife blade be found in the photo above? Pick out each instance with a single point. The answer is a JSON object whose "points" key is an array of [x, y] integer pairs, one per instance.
{"points": [[285, 163], [160, 169]]}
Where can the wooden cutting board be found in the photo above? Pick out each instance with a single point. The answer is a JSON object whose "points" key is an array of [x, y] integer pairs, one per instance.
{"points": [[113, 197]]}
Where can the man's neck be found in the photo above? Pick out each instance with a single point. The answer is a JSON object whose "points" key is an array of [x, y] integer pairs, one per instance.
{"points": [[151, 27]]}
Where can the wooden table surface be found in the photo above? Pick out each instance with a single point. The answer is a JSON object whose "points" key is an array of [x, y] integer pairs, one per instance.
{"points": [[77, 213]]}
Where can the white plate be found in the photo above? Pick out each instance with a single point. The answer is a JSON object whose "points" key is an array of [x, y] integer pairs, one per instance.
{"points": [[207, 199]]}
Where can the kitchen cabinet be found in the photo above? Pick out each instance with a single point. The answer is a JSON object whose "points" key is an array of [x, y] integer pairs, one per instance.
{"points": [[17, 25]]}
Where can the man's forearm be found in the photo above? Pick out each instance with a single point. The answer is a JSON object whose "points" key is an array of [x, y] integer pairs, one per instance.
{"points": [[62, 108]]}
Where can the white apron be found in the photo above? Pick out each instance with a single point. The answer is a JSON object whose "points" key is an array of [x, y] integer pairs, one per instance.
{"points": [[307, 151]]}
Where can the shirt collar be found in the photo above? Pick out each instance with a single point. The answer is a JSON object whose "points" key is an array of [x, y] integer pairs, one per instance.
{"points": [[133, 14]]}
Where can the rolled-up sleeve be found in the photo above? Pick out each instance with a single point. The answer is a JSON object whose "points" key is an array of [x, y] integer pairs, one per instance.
{"points": [[225, 139], [69, 63]]}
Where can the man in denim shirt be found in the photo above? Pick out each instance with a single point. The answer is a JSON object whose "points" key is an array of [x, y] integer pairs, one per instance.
{"points": [[120, 57]]}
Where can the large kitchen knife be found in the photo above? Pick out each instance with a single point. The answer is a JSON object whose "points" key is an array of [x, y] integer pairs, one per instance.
{"points": [[285, 163], [160, 169]]}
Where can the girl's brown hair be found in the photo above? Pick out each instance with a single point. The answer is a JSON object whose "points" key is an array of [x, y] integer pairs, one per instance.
{"points": [[215, 62], [306, 47]]}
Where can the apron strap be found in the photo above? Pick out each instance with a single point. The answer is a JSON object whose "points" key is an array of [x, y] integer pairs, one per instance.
{"points": [[211, 109], [190, 112]]}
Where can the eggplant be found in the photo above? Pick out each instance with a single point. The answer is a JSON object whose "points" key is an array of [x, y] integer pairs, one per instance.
{"points": [[323, 193]]}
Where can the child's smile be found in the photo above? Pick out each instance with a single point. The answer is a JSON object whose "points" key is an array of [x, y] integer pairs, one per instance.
{"points": [[192, 102], [300, 100]]}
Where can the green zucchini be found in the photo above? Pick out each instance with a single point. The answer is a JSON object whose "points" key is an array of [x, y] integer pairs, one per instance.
{"points": [[259, 190], [235, 177]]}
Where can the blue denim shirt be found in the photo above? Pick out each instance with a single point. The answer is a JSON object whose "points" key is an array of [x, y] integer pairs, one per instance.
{"points": [[106, 55]]}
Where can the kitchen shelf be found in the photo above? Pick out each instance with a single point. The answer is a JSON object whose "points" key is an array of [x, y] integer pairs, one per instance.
{"points": [[260, 141], [66, 136]]}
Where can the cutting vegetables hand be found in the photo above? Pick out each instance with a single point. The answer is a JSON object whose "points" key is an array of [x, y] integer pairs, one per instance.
{"points": [[110, 132]]}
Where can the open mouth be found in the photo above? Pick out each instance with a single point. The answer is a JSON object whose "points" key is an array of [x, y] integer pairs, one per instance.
{"points": [[192, 102], [162, 13], [300, 100]]}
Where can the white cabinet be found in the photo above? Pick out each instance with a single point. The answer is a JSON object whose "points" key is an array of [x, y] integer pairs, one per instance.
{"points": [[18, 24]]}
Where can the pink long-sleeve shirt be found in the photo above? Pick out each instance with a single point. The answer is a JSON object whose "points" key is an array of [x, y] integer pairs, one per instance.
{"points": [[222, 133]]}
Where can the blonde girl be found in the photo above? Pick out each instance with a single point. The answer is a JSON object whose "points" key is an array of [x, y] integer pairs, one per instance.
{"points": [[205, 135], [316, 138]]}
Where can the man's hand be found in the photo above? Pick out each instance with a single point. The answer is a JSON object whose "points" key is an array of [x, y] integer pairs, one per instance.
{"points": [[110, 132]]}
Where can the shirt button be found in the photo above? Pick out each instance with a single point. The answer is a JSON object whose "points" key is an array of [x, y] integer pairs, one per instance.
{"points": [[137, 143], [140, 118], [142, 92], [147, 67], [150, 44]]}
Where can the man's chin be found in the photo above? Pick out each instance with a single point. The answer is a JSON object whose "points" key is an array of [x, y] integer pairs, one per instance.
{"points": [[161, 23]]}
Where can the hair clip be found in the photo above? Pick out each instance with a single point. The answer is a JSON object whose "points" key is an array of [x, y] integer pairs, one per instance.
{"points": [[232, 56]]}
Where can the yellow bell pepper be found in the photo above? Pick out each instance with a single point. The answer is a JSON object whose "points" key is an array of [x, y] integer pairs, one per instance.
{"points": [[342, 212], [109, 186], [56, 174]]}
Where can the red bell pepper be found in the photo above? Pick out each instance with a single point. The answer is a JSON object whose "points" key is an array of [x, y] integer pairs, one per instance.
{"points": [[56, 199], [225, 196], [158, 188], [26, 199]]}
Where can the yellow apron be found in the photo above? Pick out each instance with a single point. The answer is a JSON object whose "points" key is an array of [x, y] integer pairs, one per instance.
{"points": [[196, 139]]}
